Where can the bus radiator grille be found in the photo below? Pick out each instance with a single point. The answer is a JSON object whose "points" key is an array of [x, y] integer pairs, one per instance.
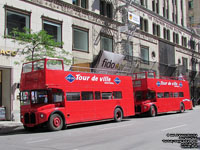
{"points": [[30, 118], [26, 118]]}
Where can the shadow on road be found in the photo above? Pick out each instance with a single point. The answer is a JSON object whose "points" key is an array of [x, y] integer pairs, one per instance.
{"points": [[21, 130]]}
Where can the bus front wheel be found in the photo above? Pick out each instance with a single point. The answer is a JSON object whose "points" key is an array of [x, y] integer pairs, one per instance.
{"points": [[152, 111], [118, 115], [55, 122]]}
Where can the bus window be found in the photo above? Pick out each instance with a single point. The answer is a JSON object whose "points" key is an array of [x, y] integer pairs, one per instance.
{"points": [[87, 95], [181, 94], [38, 65], [176, 94], [39, 97], [97, 95], [117, 95], [159, 95], [27, 67], [25, 98], [166, 94], [54, 64], [106, 95], [73, 96], [151, 95], [58, 96], [150, 75], [141, 75]]}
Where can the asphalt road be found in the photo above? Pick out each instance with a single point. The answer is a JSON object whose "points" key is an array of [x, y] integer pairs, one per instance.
{"points": [[136, 133]]}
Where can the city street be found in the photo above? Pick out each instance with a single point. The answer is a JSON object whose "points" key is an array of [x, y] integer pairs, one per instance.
{"points": [[135, 133]]}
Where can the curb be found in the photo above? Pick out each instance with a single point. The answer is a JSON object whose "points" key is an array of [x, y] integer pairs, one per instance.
{"points": [[9, 127]]}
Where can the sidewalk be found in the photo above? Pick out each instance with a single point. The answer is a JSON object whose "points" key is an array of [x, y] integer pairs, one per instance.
{"points": [[9, 126]]}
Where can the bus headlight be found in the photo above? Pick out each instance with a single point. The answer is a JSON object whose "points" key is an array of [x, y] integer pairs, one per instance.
{"points": [[145, 107], [42, 115], [22, 116]]}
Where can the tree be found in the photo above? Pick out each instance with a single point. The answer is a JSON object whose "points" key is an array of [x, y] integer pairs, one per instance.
{"points": [[38, 45]]}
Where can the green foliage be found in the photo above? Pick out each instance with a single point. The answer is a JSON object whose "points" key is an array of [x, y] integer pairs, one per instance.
{"points": [[38, 45]]}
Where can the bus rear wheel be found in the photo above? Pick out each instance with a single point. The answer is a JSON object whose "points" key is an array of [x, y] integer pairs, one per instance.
{"points": [[152, 111], [55, 122], [182, 108], [118, 115]]}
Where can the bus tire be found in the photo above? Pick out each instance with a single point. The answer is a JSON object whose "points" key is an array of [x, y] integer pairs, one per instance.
{"points": [[55, 122], [118, 115], [152, 111], [182, 108]]}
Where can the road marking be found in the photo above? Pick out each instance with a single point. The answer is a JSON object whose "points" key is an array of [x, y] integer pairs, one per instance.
{"points": [[116, 127], [174, 127], [37, 141]]}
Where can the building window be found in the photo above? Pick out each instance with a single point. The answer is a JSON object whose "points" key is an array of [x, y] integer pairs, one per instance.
{"points": [[191, 19], [143, 3], [144, 24], [185, 64], [145, 55], [190, 4], [156, 29], [16, 19], [166, 34], [81, 3], [175, 38], [153, 5], [184, 41], [106, 43], [53, 28], [80, 39], [192, 44], [106, 8]]}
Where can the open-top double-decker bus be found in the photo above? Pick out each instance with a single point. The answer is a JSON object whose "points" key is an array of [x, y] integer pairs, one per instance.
{"points": [[56, 98], [154, 96]]}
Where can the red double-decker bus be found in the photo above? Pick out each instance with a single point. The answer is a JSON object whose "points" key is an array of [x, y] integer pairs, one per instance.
{"points": [[154, 96], [54, 97]]}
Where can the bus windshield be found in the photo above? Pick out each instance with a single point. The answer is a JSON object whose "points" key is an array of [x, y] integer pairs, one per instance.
{"points": [[39, 97], [145, 95]]}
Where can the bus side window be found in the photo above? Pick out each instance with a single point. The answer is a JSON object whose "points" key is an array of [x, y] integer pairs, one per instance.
{"points": [[87, 95], [58, 97], [97, 95], [166, 94], [176, 94], [117, 95], [181, 94], [106, 95], [159, 95], [73, 96]]}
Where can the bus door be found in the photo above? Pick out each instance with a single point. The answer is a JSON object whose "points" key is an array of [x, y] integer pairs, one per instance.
{"points": [[73, 107]]}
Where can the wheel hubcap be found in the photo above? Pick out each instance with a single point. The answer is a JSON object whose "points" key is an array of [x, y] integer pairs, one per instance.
{"points": [[56, 121]]}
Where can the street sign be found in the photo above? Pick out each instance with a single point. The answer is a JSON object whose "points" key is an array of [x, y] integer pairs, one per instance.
{"points": [[134, 18]]}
